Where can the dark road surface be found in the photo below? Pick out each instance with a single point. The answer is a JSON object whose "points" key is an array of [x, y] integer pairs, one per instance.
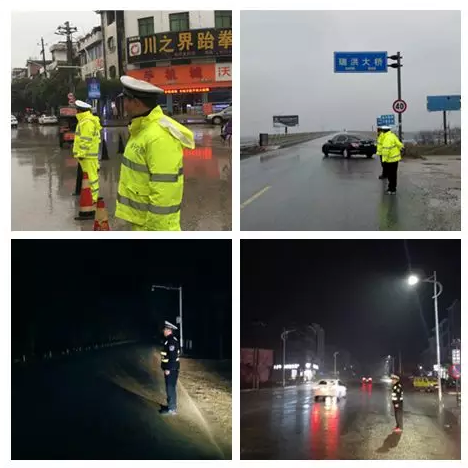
{"points": [[43, 178], [105, 406], [298, 189], [277, 424]]}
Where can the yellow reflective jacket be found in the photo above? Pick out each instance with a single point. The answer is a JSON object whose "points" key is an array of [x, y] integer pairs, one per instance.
{"points": [[390, 147], [87, 142], [379, 143], [151, 175]]}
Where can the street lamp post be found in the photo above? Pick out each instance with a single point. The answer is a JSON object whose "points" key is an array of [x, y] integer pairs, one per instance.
{"points": [[412, 280], [334, 357], [157, 286], [284, 335]]}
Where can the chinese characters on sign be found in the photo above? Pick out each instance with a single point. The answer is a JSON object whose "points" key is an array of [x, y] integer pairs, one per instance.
{"points": [[360, 62], [387, 119], [189, 90], [183, 44], [94, 88], [223, 72]]}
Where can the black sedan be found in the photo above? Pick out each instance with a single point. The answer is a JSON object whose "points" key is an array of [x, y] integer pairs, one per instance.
{"points": [[349, 144]]}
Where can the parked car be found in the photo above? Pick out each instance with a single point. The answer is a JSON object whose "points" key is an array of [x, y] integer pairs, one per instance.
{"points": [[367, 380], [333, 388], [348, 145], [220, 117], [48, 120], [14, 122]]}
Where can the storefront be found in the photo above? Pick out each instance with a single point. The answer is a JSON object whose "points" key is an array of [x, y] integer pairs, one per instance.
{"points": [[188, 87]]}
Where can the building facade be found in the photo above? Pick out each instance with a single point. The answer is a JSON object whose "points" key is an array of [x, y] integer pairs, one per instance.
{"points": [[186, 53], [91, 54]]}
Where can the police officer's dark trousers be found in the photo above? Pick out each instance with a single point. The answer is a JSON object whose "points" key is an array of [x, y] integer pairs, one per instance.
{"points": [[171, 392], [391, 173], [398, 407], [383, 175]]}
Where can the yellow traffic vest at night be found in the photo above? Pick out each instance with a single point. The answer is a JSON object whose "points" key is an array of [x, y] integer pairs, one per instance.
{"points": [[87, 136], [151, 176], [391, 148]]}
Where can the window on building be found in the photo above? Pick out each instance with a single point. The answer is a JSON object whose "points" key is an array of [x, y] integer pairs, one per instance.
{"points": [[179, 21], [223, 19], [110, 17], [112, 72], [111, 43], [146, 26], [83, 58]]}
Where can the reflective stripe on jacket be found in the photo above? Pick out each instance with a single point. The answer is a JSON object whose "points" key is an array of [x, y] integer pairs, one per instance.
{"points": [[390, 147], [87, 142], [397, 393], [379, 143], [170, 354], [151, 175]]}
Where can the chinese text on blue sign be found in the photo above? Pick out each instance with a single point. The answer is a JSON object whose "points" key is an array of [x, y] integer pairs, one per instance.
{"points": [[360, 62], [94, 88], [444, 103], [388, 119]]}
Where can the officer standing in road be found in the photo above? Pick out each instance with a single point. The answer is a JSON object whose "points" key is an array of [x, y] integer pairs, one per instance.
{"points": [[87, 144], [391, 153], [170, 365], [397, 400], [151, 176], [379, 151]]}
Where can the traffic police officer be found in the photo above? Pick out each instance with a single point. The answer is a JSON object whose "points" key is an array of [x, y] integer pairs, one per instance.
{"points": [[151, 176], [391, 153], [397, 400], [170, 365], [87, 144], [379, 151]]}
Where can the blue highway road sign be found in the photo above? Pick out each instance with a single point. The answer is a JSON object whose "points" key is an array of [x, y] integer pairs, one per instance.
{"points": [[360, 62], [388, 119], [444, 103]]}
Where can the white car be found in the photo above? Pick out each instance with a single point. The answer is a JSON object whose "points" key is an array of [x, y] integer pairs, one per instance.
{"points": [[219, 117], [333, 388], [48, 120], [14, 122]]}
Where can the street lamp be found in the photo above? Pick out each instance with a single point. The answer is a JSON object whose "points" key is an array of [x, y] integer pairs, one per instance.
{"points": [[158, 286], [412, 280], [334, 357], [284, 335]]}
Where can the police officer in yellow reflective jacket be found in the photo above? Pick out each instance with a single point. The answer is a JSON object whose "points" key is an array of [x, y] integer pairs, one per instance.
{"points": [[391, 153], [151, 176], [87, 144], [170, 365], [379, 151]]}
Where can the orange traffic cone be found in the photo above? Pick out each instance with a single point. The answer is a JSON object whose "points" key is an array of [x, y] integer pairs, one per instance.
{"points": [[101, 221], [87, 208]]}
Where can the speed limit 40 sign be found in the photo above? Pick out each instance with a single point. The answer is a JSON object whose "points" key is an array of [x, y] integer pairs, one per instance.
{"points": [[399, 106]]}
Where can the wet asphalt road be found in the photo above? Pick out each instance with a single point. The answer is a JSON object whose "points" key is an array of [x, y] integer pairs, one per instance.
{"points": [[43, 179], [104, 406], [297, 188], [277, 424]]}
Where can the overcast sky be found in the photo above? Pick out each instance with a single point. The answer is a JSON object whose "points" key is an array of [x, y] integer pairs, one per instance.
{"points": [[287, 67], [27, 28]]}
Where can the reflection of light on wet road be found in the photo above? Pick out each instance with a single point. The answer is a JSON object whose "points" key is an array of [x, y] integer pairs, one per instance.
{"points": [[325, 429]]}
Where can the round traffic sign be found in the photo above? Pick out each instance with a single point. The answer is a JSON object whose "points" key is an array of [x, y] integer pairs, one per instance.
{"points": [[70, 96], [399, 106], [455, 371]]}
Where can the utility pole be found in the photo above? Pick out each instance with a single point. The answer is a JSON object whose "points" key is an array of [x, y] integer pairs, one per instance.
{"points": [[399, 358], [68, 31], [334, 357], [44, 64]]}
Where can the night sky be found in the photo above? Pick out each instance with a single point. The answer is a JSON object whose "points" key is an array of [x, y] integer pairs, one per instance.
{"points": [[354, 289], [71, 292]]}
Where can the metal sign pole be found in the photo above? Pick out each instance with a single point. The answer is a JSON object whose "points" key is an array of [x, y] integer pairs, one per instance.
{"points": [[400, 128], [445, 127]]}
